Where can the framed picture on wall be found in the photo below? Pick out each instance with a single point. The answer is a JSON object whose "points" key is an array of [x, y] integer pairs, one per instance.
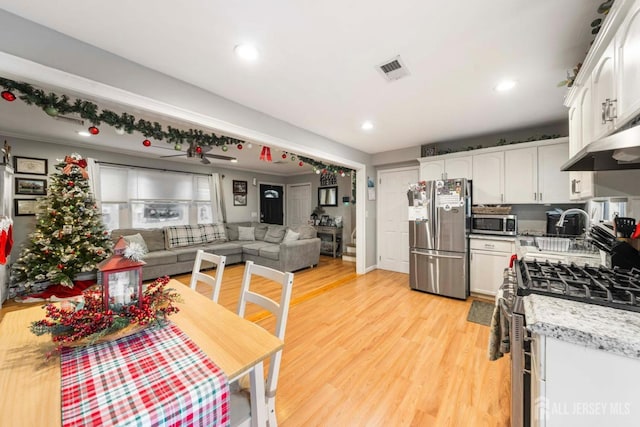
{"points": [[31, 186], [239, 187], [239, 200], [25, 207], [30, 165]]}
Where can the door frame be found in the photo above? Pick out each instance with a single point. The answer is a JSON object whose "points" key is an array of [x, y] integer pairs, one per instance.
{"points": [[379, 191], [298, 184], [284, 201]]}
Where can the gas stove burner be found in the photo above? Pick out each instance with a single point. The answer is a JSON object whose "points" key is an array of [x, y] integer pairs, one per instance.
{"points": [[617, 288]]}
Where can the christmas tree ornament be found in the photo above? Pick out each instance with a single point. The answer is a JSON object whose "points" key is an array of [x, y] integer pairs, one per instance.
{"points": [[301, 164], [239, 146], [70, 183], [265, 154], [249, 146], [225, 148], [177, 147], [51, 111], [120, 131], [146, 143], [293, 158], [94, 130], [8, 96], [198, 149], [284, 156]]}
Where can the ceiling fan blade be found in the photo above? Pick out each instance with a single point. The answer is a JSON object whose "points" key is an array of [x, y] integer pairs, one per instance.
{"points": [[219, 156], [174, 155], [205, 161]]}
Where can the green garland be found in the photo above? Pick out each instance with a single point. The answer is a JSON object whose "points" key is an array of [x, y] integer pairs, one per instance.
{"points": [[54, 104]]}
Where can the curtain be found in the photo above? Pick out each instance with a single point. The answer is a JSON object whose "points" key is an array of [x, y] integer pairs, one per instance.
{"points": [[93, 169], [217, 206]]}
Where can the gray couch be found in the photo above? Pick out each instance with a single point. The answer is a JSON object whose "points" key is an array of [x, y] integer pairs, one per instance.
{"points": [[172, 250]]}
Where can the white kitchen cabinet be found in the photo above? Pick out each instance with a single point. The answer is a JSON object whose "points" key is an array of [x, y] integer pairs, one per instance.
{"points": [[446, 168], [532, 175], [581, 183], [573, 385], [489, 258], [521, 175], [604, 95], [488, 178], [552, 182], [628, 64]]}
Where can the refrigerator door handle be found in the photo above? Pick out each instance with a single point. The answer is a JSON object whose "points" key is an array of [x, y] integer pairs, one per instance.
{"points": [[436, 256]]}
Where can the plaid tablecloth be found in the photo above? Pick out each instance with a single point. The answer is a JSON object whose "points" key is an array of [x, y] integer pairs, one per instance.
{"points": [[158, 377]]}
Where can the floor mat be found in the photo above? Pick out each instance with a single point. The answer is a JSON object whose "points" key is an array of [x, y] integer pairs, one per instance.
{"points": [[480, 312], [58, 292]]}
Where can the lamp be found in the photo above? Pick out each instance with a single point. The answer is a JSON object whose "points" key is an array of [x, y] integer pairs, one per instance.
{"points": [[120, 278]]}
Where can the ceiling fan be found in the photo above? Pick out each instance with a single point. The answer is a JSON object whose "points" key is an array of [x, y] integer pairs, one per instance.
{"points": [[200, 152]]}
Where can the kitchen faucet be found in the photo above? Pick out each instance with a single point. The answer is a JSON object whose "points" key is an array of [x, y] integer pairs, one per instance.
{"points": [[560, 223]]}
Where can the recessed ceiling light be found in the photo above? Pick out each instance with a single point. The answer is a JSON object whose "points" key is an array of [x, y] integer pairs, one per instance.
{"points": [[246, 52], [367, 125], [505, 86], [83, 133]]}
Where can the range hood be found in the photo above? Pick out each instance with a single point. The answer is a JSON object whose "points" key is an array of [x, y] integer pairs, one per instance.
{"points": [[615, 152]]}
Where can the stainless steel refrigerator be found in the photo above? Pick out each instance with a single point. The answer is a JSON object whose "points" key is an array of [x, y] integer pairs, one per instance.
{"points": [[438, 237]]}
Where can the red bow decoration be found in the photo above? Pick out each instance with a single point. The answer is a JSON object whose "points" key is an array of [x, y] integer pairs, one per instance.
{"points": [[265, 154], [82, 164]]}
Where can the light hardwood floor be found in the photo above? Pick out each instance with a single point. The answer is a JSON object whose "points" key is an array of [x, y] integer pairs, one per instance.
{"points": [[368, 351]]}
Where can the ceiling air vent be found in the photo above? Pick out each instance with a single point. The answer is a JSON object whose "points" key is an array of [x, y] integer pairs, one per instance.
{"points": [[394, 69], [70, 119]]}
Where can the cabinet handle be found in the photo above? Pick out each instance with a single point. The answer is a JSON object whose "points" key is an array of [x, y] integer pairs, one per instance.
{"points": [[604, 112], [610, 108], [535, 196], [501, 198], [489, 245]]}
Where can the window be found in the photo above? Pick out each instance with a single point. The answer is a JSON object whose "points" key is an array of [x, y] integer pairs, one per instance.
{"points": [[111, 215], [152, 214]]}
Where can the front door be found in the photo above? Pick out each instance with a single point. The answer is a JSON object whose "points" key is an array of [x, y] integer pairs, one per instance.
{"points": [[272, 204]]}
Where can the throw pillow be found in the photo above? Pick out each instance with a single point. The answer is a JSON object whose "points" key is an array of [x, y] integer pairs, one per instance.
{"points": [[274, 234], [246, 233], [182, 235], [213, 232], [290, 236], [137, 238], [261, 230]]}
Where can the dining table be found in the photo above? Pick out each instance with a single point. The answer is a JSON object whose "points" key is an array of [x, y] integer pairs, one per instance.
{"points": [[30, 383]]}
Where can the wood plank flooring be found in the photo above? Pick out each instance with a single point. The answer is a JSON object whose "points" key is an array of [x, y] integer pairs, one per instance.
{"points": [[368, 351]]}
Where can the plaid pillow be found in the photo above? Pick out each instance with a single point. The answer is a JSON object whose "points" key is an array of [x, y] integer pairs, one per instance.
{"points": [[213, 232], [182, 235]]}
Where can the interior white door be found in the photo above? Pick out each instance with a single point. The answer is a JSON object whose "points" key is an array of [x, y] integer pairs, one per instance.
{"points": [[298, 204], [393, 218]]}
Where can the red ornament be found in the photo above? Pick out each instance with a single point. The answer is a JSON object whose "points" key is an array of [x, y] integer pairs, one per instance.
{"points": [[94, 130], [199, 149], [239, 146], [70, 183], [301, 164], [60, 266], [46, 251], [324, 171], [146, 143], [284, 156], [8, 96]]}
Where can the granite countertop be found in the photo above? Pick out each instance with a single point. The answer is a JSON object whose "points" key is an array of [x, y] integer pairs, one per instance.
{"points": [[608, 329]]}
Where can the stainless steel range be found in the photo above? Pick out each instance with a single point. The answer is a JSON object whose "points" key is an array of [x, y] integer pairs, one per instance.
{"points": [[615, 288], [610, 287]]}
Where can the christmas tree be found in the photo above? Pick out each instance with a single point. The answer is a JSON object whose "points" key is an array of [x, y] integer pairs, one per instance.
{"points": [[69, 237]]}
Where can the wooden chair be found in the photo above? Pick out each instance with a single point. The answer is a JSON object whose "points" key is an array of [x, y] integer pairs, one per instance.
{"points": [[214, 281], [240, 398]]}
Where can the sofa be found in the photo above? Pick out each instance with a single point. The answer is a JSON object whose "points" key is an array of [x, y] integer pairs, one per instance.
{"points": [[172, 250]]}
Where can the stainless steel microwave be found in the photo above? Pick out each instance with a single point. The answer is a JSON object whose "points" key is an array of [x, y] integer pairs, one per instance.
{"points": [[505, 225]]}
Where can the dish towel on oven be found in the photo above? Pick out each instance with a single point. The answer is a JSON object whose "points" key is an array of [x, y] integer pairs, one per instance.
{"points": [[157, 377], [499, 343]]}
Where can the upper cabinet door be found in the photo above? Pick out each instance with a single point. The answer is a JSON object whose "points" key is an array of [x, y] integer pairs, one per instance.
{"points": [[521, 175], [431, 170], [604, 96], [488, 178], [459, 167], [628, 43], [553, 185]]}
